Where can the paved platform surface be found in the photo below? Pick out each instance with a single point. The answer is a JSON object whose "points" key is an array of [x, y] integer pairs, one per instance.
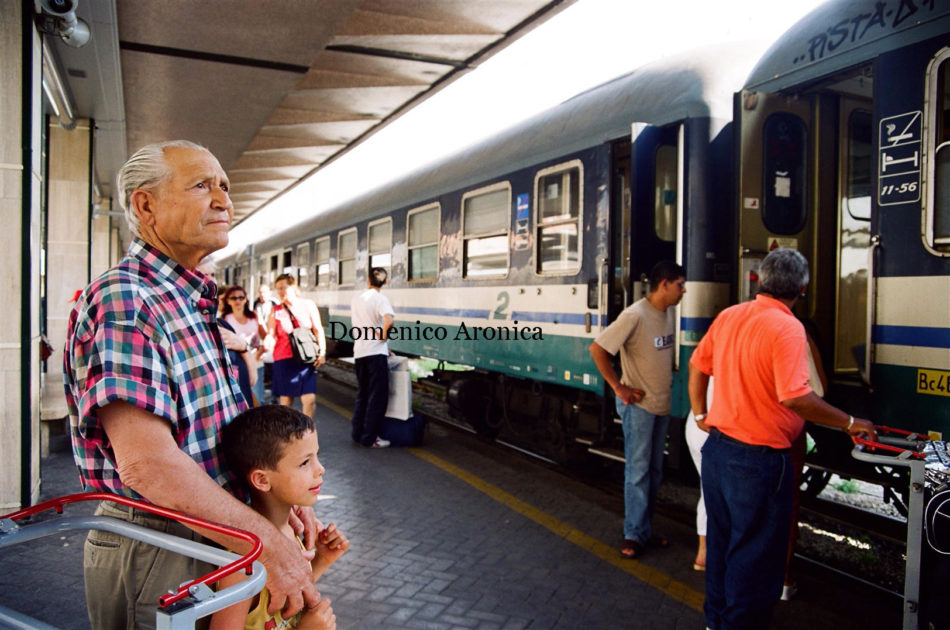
{"points": [[457, 534]]}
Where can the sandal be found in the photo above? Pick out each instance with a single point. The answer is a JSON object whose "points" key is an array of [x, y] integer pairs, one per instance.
{"points": [[659, 541], [631, 550], [699, 566]]}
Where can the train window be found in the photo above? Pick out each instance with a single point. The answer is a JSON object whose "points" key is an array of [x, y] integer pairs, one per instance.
{"points": [[245, 275], [860, 161], [380, 247], [664, 210], [784, 141], [423, 243], [486, 216], [346, 253], [321, 258], [288, 260], [559, 198], [937, 208], [303, 266], [262, 275], [272, 271]]}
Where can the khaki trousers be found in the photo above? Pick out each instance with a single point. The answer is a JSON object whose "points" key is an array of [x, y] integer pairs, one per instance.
{"points": [[125, 577]]}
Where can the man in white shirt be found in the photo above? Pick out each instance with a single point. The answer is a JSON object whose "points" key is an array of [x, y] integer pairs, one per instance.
{"points": [[371, 317]]}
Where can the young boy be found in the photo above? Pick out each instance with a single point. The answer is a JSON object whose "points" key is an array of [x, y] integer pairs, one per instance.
{"points": [[272, 450]]}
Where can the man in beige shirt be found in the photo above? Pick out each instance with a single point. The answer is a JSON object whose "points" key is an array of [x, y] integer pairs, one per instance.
{"points": [[643, 334]]}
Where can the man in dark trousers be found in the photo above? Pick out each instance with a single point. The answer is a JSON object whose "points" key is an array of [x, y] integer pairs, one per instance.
{"points": [[371, 315], [758, 353]]}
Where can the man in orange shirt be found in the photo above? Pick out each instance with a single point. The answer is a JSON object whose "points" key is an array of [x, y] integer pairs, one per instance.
{"points": [[757, 351]]}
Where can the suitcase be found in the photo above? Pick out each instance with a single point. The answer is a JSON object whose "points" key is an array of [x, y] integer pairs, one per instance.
{"points": [[403, 432]]}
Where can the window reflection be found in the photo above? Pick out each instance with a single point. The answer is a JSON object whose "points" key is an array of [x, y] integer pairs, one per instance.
{"points": [[559, 200], [423, 244], [485, 220]]}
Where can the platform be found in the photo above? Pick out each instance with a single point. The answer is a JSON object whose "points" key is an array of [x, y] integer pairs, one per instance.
{"points": [[459, 534]]}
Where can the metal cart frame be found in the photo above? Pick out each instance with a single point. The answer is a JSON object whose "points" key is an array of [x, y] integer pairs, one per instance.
{"points": [[178, 609], [903, 445]]}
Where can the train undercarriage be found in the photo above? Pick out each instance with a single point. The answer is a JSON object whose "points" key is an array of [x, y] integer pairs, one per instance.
{"points": [[568, 426]]}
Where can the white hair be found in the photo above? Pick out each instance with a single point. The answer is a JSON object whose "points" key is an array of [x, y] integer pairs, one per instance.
{"points": [[145, 170], [783, 273]]}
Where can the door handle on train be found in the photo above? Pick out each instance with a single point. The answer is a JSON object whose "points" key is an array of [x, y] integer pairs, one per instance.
{"points": [[875, 242]]}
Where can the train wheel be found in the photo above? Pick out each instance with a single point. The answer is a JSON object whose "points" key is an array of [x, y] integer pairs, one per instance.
{"points": [[814, 481], [492, 420], [551, 437], [470, 400]]}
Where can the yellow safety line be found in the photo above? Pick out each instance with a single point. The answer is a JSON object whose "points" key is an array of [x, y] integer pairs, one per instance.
{"points": [[346, 413], [672, 588]]}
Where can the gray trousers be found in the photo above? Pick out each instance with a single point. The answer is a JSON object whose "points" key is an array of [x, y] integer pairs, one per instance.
{"points": [[125, 577]]}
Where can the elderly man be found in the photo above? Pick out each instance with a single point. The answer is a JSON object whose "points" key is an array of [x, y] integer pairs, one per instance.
{"points": [[758, 354], [149, 387]]}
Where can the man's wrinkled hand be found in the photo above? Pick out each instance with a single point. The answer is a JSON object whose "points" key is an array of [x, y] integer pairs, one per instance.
{"points": [[305, 523], [288, 576]]}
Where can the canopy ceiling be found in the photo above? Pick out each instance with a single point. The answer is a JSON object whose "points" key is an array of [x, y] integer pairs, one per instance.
{"points": [[274, 89]]}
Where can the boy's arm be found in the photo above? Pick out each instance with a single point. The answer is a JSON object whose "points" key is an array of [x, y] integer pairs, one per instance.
{"points": [[232, 617], [331, 544], [320, 617]]}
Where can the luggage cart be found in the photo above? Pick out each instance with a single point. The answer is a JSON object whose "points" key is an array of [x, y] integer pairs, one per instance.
{"points": [[915, 451], [178, 609]]}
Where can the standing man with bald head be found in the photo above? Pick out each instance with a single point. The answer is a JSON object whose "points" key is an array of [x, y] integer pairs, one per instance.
{"points": [[149, 387]]}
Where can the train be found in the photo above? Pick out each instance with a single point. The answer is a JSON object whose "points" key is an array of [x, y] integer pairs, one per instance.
{"points": [[511, 256]]}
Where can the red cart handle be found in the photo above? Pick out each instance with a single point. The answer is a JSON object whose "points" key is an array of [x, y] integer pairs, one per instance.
{"points": [[888, 447], [887, 430], [245, 562]]}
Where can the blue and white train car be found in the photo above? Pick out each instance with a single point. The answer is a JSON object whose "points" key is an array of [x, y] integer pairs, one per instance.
{"points": [[844, 154], [514, 254]]}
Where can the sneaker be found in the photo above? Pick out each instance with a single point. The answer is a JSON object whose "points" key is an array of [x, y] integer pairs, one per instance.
{"points": [[380, 443], [788, 591]]}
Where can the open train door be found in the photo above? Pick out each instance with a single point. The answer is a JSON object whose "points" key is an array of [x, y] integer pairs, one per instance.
{"points": [[657, 191], [773, 179], [658, 194], [805, 182]]}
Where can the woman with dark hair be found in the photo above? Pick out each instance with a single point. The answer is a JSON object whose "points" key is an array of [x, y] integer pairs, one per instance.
{"points": [[290, 378], [237, 312]]}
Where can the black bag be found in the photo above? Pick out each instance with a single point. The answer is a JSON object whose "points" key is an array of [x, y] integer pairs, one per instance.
{"points": [[409, 432], [303, 343]]}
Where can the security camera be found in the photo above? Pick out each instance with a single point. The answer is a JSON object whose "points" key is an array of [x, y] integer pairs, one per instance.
{"points": [[62, 14], [60, 8], [75, 33]]}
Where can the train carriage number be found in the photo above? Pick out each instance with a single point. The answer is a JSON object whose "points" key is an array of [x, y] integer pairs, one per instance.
{"points": [[503, 300], [934, 382]]}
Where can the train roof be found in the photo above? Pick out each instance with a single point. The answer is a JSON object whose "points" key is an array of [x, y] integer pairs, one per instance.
{"points": [[696, 85], [844, 33]]}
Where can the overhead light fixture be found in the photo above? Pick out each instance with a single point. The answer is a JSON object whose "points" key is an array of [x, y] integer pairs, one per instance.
{"points": [[59, 18], [57, 91]]}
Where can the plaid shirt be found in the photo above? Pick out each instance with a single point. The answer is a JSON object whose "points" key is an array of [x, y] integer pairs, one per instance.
{"points": [[145, 333]]}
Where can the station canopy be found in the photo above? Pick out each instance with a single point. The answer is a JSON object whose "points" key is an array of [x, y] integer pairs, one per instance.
{"points": [[273, 89]]}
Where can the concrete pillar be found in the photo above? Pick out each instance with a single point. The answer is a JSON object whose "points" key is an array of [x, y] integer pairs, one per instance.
{"points": [[20, 196], [105, 250], [67, 229]]}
